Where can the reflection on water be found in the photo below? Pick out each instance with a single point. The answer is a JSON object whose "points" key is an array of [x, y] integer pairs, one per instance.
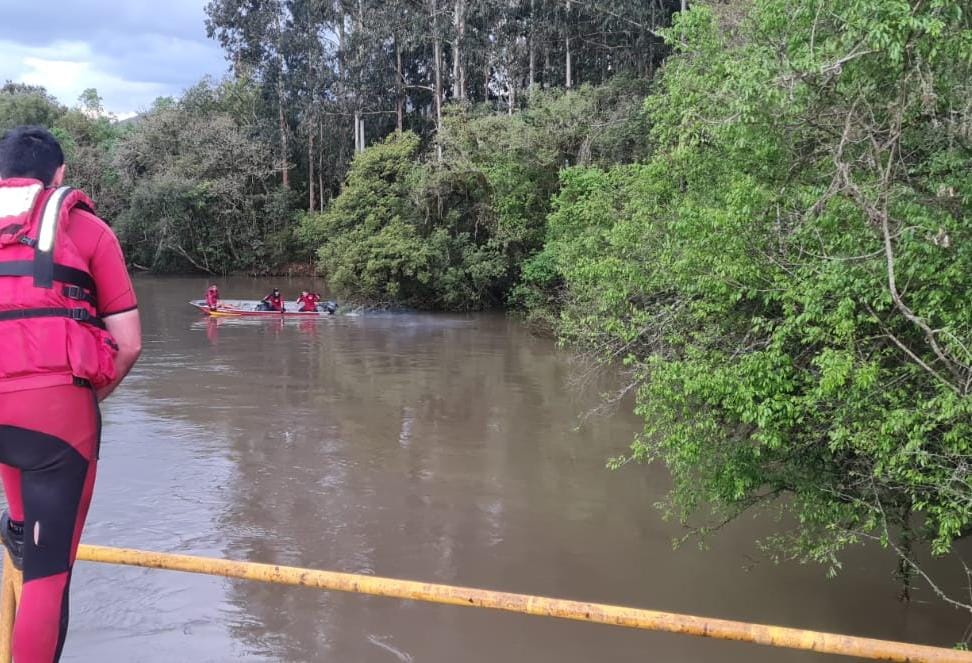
{"points": [[433, 447]]}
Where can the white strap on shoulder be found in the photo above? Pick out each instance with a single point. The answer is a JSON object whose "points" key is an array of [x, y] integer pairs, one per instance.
{"points": [[52, 210]]}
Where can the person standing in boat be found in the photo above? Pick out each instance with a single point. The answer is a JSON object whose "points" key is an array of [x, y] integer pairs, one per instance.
{"points": [[70, 322], [273, 301], [308, 301], [212, 297]]}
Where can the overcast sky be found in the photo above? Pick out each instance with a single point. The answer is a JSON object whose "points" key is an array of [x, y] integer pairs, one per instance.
{"points": [[132, 51]]}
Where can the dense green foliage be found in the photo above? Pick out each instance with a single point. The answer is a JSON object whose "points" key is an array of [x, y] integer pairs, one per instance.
{"points": [[187, 185], [373, 244], [87, 136], [787, 277], [453, 232], [199, 189]]}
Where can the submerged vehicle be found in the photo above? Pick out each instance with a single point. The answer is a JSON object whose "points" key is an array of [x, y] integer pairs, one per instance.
{"points": [[257, 308]]}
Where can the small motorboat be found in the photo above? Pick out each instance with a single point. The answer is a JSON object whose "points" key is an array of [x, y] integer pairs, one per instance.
{"points": [[229, 308]]}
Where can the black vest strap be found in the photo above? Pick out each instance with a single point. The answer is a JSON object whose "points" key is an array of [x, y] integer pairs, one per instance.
{"points": [[77, 293], [79, 314], [61, 273]]}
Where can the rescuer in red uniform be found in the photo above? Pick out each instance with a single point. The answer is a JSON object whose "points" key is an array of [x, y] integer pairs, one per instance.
{"points": [[308, 301], [274, 301], [212, 297], [71, 330]]}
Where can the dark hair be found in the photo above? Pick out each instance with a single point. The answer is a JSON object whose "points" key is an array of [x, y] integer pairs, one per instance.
{"points": [[30, 152]]}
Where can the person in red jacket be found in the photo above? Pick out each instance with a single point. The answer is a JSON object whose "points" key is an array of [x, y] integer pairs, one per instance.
{"points": [[212, 297], [67, 305], [273, 301], [308, 301]]}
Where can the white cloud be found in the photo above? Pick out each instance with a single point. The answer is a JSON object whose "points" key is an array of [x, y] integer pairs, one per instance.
{"points": [[130, 52], [66, 69]]}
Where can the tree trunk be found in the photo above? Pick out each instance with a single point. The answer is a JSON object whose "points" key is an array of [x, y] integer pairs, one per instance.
{"points": [[569, 74], [437, 66], [533, 66], [310, 171], [651, 45], [487, 77], [400, 101], [320, 167], [359, 129], [342, 88], [437, 54], [904, 571], [458, 66], [282, 121], [462, 72], [569, 77], [456, 48], [284, 147], [546, 66], [684, 5], [533, 46], [340, 31]]}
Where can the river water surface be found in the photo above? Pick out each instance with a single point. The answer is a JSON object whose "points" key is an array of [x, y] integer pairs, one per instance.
{"points": [[431, 447]]}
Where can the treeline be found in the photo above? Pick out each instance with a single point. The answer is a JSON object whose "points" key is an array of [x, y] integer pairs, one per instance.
{"points": [[216, 180], [339, 74], [187, 186]]}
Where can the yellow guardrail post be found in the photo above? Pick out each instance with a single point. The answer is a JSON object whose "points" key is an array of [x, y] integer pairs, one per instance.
{"points": [[9, 598], [776, 636]]}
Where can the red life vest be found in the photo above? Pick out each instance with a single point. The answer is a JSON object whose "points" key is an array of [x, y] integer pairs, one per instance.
{"points": [[275, 301], [212, 298], [48, 317], [308, 302]]}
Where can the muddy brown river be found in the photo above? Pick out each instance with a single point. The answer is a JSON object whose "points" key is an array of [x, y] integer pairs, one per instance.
{"points": [[441, 448]]}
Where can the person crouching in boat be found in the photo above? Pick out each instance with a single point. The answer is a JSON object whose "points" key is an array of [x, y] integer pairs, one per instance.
{"points": [[272, 302], [212, 297], [308, 301]]}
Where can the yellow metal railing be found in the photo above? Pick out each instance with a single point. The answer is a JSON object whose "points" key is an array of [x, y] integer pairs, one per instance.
{"points": [[650, 620]]}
